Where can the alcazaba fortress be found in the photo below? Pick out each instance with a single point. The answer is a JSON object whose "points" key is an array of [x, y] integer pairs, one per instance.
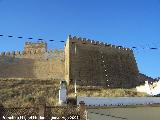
{"points": [[89, 62]]}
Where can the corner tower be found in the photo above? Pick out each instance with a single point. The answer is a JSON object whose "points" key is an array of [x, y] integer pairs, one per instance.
{"points": [[94, 63]]}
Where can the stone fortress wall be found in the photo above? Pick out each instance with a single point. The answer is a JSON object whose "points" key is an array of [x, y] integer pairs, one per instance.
{"points": [[35, 61], [88, 62], [94, 63]]}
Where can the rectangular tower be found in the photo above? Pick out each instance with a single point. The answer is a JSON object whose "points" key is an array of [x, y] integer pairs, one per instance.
{"points": [[35, 47], [92, 63]]}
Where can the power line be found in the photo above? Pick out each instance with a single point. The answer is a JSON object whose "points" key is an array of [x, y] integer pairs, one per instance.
{"points": [[30, 38], [135, 48]]}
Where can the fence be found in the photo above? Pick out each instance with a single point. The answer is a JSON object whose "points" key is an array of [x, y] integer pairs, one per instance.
{"points": [[68, 112]]}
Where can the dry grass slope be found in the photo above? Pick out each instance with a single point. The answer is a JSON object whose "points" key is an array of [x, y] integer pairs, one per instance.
{"points": [[31, 92], [104, 92], [28, 92]]}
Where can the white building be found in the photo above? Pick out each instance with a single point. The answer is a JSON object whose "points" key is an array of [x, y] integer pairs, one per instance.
{"points": [[150, 89]]}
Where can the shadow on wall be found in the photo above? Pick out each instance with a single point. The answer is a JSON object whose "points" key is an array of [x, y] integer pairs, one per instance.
{"points": [[11, 67]]}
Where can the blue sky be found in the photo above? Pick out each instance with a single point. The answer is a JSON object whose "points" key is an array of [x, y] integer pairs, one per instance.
{"points": [[121, 22]]}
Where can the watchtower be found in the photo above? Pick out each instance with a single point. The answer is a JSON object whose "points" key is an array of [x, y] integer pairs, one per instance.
{"points": [[35, 47], [94, 63]]}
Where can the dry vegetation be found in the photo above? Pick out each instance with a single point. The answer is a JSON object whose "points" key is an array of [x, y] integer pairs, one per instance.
{"points": [[28, 92], [32, 92], [104, 92]]}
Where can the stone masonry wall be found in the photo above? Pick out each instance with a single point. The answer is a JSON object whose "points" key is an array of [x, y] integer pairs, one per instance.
{"points": [[30, 68], [35, 61], [91, 63]]}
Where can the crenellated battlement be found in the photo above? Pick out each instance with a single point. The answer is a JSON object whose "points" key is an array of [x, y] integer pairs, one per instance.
{"points": [[35, 47], [23, 53], [31, 49], [49, 54], [8, 53], [95, 63], [80, 40], [38, 42]]}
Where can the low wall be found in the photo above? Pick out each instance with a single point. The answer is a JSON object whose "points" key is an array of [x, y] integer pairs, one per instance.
{"points": [[101, 101]]}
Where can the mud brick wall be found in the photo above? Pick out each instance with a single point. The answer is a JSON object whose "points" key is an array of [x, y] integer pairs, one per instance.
{"points": [[92, 63]]}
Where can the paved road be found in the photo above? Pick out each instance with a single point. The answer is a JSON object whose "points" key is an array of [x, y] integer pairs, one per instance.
{"points": [[137, 113]]}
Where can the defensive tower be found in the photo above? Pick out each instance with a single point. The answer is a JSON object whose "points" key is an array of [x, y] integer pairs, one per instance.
{"points": [[35, 47], [94, 63]]}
